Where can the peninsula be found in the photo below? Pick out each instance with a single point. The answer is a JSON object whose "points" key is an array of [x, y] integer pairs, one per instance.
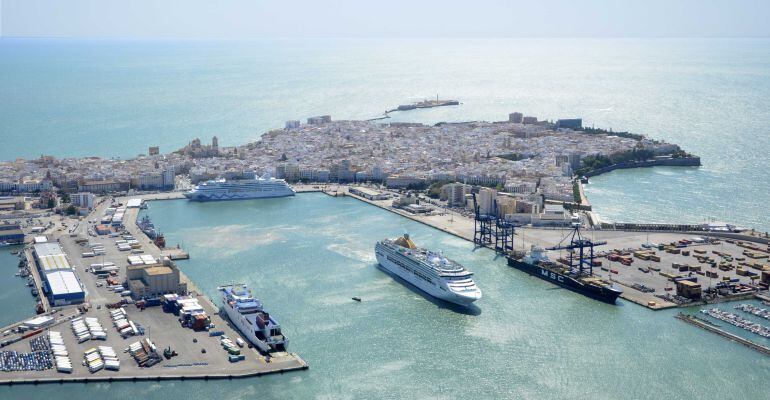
{"points": [[522, 155]]}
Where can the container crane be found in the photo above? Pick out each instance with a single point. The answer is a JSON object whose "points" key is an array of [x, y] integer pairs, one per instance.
{"points": [[579, 243], [482, 225]]}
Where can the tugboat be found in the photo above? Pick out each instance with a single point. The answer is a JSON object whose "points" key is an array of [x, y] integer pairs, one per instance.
{"points": [[575, 274], [160, 241]]}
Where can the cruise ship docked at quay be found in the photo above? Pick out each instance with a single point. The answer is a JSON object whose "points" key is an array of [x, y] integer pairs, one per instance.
{"points": [[251, 319], [240, 189], [431, 272]]}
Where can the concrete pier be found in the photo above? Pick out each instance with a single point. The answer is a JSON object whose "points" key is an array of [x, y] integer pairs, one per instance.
{"points": [[35, 273], [695, 321]]}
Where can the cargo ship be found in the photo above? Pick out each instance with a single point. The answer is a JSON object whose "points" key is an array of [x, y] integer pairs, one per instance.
{"points": [[576, 273], [251, 319]]}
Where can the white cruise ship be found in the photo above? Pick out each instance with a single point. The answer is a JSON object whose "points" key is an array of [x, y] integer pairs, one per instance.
{"points": [[435, 274], [254, 323], [240, 189]]}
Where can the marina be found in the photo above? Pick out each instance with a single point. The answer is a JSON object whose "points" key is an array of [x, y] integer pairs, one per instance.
{"points": [[705, 325], [736, 320], [754, 310]]}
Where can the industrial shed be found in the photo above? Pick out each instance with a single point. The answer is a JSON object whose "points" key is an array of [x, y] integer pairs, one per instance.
{"points": [[64, 288]]}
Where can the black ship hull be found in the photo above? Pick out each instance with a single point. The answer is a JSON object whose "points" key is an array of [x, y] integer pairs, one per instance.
{"points": [[606, 295]]}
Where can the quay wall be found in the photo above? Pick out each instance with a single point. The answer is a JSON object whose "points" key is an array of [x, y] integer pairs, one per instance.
{"points": [[138, 378], [408, 215], [697, 322], [684, 229], [670, 162]]}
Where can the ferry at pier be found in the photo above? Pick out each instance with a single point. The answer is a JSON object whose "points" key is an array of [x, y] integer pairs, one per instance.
{"points": [[240, 189], [251, 319], [429, 271]]}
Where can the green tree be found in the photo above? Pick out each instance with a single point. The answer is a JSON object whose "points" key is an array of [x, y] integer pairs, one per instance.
{"points": [[65, 197], [434, 191]]}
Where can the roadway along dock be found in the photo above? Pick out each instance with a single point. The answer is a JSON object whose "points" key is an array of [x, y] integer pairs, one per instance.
{"points": [[695, 321]]}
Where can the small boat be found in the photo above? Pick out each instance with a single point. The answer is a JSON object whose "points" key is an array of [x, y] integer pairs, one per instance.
{"points": [[357, 298], [160, 241]]}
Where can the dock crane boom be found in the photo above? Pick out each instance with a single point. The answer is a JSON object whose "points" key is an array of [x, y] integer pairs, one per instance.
{"points": [[580, 243]]}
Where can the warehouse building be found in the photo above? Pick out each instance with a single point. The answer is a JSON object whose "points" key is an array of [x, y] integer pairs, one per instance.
{"points": [[368, 193], [11, 233], [61, 283], [134, 203], [11, 203], [64, 288], [154, 279]]}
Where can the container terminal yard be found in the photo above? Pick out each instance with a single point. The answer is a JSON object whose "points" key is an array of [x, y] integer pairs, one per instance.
{"points": [[95, 331]]}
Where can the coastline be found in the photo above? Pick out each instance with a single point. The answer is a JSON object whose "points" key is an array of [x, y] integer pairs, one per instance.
{"points": [[667, 162]]}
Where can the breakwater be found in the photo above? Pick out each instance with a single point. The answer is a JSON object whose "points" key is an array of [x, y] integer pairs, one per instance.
{"points": [[669, 162], [417, 105], [699, 230], [693, 320]]}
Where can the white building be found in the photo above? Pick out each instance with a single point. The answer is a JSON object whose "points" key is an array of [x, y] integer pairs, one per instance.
{"points": [[456, 194], [486, 199], [83, 200]]}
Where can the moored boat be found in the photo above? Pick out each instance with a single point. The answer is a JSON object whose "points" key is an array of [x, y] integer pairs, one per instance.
{"points": [[250, 318], [240, 189]]}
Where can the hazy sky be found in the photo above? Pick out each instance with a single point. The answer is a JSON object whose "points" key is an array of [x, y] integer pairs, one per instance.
{"points": [[390, 18]]}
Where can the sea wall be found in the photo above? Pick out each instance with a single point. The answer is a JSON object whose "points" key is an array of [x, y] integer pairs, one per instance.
{"points": [[671, 162]]}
